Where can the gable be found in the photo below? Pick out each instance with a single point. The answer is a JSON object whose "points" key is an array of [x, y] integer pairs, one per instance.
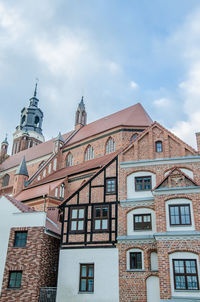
{"points": [[144, 147], [176, 178]]}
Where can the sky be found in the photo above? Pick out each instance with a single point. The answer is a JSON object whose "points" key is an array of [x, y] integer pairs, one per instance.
{"points": [[115, 53]]}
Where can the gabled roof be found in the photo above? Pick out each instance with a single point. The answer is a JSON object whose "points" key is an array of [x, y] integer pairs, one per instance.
{"points": [[176, 138], [132, 116], [22, 207], [171, 173]]}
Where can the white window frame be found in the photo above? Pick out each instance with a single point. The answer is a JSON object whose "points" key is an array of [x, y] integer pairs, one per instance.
{"points": [[184, 293], [179, 201], [128, 259]]}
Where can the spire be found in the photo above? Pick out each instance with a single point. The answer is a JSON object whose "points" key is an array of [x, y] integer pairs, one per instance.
{"points": [[5, 141], [59, 138], [35, 92], [81, 104], [22, 169]]}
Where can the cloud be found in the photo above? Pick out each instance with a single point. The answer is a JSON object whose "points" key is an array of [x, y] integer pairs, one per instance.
{"points": [[133, 85], [162, 102]]}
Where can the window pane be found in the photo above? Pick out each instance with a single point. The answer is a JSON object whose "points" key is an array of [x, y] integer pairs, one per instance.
{"points": [[104, 224], [192, 282], [80, 225], [83, 271], [83, 285], [90, 285], [179, 266], [97, 224], [81, 213], [90, 271], [74, 213], [97, 212], [73, 226], [180, 282], [190, 267], [105, 212]]}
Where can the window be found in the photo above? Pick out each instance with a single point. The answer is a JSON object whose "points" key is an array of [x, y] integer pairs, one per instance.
{"points": [[20, 239], [69, 160], [77, 220], [179, 214], [86, 278], [56, 192], [135, 260], [159, 147], [49, 168], [89, 153], [185, 274], [55, 164], [15, 278], [44, 173], [143, 183], [110, 145], [133, 137], [6, 179], [110, 185], [101, 218], [142, 222], [62, 191]]}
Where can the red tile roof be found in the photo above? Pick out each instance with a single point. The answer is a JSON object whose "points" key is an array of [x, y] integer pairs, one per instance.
{"points": [[22, 207], [132, 116]]}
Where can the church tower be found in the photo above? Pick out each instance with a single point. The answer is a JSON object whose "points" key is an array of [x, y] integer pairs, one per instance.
{"points": [[29, 132], [81, 115]]}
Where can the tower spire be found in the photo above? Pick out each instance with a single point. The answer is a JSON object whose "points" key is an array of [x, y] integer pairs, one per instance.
{"points": [[35, 91]]}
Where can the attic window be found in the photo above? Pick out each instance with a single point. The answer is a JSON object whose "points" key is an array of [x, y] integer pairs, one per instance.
{"points": [[159, 147]]}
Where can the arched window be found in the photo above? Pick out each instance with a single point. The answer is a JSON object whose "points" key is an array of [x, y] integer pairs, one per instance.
{"points": [[62, 191], [133, 137], [55, 164], [6, 179], [159, 147], [69, 160], [89, 153], [110, 145]]}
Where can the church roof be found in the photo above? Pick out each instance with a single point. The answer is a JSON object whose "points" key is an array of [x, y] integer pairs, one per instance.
{"points": [[134, 116]]}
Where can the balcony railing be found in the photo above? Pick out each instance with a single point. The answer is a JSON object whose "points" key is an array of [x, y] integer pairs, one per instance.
{"points": [[47, 294]]}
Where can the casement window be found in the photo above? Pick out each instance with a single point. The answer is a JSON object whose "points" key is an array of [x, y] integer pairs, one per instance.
{"points": [[86, 278], [69, 160], [77, 219], [15, 279], [20, 239], [111, 185], [185, 274], [142, 222], [135, 260], [179, 214], [101, 217], [110, 146], [143, 183], [159, 147], [89, 153], [6, 180]]}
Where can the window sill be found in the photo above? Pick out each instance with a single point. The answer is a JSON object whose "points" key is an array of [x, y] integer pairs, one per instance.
{"points": [[85, 293], [136, 270], [13, 288]]}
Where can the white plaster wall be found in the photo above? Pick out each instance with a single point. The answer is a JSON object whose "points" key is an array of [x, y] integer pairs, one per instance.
{"points": [[131, 193], [106, 275], [130, 220], [181, 227], [183, 293], [153, 289], [11, 217]]}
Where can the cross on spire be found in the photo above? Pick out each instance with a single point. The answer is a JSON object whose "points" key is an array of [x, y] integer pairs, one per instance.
{"points": [[35, 92]]}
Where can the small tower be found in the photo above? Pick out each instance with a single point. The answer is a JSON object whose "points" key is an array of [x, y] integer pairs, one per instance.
{"points": [[31, 123], [21, 175], [4, 149], [58, 142], [81, 115]]}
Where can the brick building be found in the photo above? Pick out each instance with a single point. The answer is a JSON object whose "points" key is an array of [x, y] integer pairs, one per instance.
{"points": [[127, 193]]}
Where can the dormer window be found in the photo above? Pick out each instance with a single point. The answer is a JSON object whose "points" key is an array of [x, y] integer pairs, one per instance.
{"points": [[159, 147]]}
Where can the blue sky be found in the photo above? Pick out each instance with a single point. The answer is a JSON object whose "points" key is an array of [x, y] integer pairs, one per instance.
{"points": [[114, 52]]}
